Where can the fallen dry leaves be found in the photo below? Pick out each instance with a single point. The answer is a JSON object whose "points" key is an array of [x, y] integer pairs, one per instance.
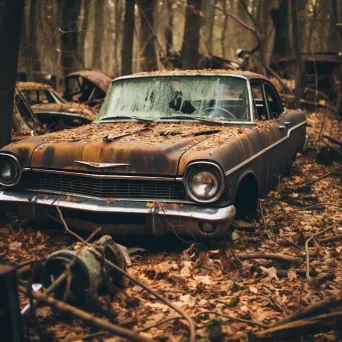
{"points": [[209, 278]]}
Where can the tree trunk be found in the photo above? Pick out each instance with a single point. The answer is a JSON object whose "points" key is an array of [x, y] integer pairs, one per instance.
{"points": [[11, 15], [336, 16], [10, 318], [98, 33], [33, 61], [225, 28], [83, 33], [281, 23], [296, 47], [70, 11], [169, 28], [147, 36], [190, 46], [128, 36]]}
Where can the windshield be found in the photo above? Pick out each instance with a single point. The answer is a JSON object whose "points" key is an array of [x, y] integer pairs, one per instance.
{"points": [[161, 98]]}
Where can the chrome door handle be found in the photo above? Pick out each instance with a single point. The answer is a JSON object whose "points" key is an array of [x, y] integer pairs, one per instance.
{"points": [[287, 123], [281, 127]]}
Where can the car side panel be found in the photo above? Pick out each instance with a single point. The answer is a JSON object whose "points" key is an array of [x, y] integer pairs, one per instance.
{"points": [[236, 158]]}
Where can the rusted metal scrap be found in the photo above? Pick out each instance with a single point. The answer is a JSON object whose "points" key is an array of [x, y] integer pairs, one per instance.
{"points": [[88, 272]]}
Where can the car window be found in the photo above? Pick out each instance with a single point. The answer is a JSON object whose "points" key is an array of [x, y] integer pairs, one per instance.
{"points": [[45, 97], [274, 104], [74, 85], [223, 98], [259, 101], [31, 96]]}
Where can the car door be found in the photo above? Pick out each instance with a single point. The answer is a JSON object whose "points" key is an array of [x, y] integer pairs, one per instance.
{"points": [[272, 128]]}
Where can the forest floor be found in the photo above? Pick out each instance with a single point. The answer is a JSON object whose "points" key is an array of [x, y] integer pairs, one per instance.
{"points": [[227, 296]]}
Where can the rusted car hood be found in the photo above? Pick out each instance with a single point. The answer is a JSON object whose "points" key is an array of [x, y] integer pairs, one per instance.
{"points": [[163, 149]]}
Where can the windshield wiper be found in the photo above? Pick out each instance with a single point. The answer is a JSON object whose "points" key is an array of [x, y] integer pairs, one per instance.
{"points": [[123, 117], [190, 117]]}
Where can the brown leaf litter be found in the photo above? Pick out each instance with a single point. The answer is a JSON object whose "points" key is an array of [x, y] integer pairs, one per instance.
{"points": [[253, 293]]}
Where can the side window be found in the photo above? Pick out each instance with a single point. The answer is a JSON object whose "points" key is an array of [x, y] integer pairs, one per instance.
{"points": [[74, 85], [259, 101], [274, 104]]}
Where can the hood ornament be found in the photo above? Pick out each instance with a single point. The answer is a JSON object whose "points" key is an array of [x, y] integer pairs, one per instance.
{"points": [[100, 165]]}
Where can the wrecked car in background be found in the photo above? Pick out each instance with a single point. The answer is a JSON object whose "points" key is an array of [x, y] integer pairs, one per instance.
{"points": [[87, 86], [24, 122], [51, 110], [322, 84], [180, 152]]}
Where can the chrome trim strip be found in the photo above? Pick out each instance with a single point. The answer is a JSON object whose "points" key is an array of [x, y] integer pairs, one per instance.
{"points": [[179, 75], [105, 176], [191, 212], [306, 144], [41, 111], [235, 168], [100, 165], [56, 192]]}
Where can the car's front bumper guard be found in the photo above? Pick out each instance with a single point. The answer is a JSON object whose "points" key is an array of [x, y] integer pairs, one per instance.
{"points": [[176, 214]]}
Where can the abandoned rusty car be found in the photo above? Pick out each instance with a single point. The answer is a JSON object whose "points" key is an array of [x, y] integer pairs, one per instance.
{"points": [[180, 152]]}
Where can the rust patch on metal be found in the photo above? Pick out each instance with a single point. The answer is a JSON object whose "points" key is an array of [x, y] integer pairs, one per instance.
{"points": [[33, 86], [178, 72], [68, 107], [100, 79]]}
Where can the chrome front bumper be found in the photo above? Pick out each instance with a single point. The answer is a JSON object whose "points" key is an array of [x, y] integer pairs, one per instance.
{"points": [[159, 218]]}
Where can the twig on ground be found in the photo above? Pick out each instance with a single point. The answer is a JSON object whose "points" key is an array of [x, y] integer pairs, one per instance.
{"points": [[29, 262], [323, 176], [85, 316], [138, 282], [308, 277], [295, 329], [237, 319], [319, 307], [333, 140], [290, 242], [278, 257], [330, 239]]}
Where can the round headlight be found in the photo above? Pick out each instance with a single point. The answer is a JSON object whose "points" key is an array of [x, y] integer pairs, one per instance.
{"points": [[203, 185], [9, 171]]}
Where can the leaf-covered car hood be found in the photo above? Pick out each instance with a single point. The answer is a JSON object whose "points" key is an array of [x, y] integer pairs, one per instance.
{"points": [[66, 108], [150, 150]]}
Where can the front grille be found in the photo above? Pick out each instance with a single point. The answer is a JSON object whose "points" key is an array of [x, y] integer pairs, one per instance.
{"points": [[108, 188]]}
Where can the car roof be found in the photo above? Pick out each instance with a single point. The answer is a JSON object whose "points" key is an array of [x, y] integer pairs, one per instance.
{"points": [[100, 79], [202, 72], [33, 86]]}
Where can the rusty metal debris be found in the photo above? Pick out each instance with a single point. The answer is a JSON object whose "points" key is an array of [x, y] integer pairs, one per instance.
{"points": [[88, 273]]}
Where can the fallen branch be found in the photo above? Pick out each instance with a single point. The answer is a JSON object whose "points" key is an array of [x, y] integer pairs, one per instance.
{"points": [[331, 239], [319, 307], [277, 257], [313, 325], [307, 250], [237, 319], [136, 281], [85, 316], [333, 140], [323, 176]]}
